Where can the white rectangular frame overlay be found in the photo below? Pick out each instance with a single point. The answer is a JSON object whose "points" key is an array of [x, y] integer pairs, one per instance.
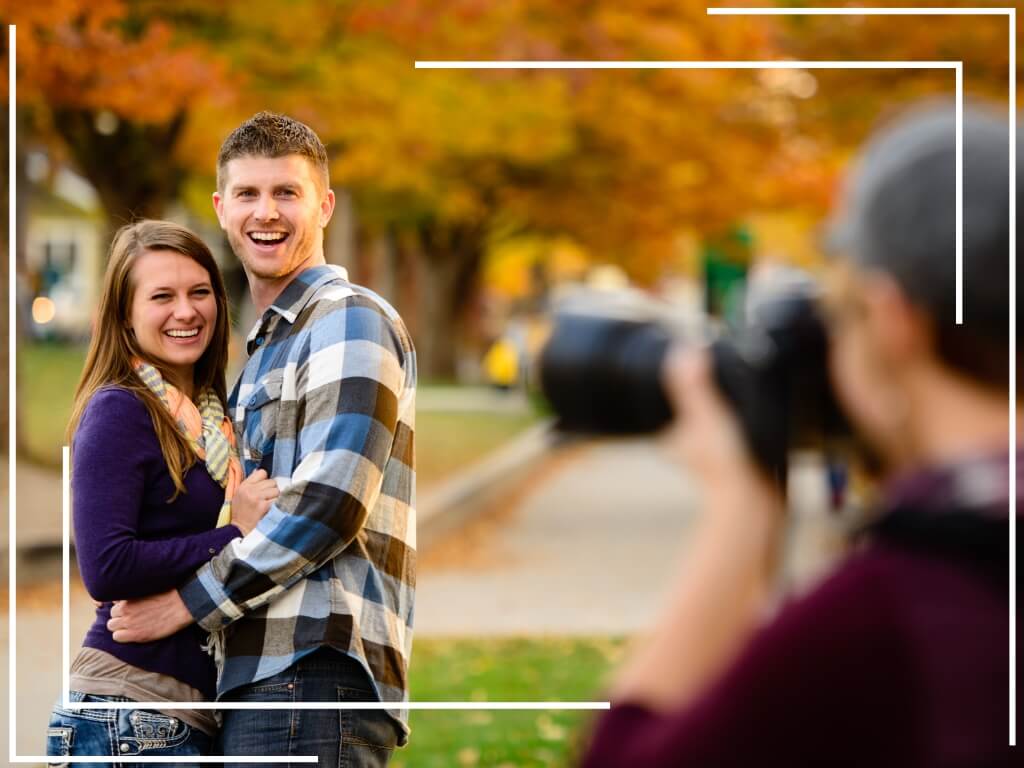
{"points": [[12, 598]]}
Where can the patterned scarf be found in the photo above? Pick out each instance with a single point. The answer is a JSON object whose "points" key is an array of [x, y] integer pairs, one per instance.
{"points": [[205, 427]]}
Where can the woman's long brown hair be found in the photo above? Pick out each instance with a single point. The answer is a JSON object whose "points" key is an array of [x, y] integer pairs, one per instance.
{"points": [[113, 345]]}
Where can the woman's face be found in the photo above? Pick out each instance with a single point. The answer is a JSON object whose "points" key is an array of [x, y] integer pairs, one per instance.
{"points": [[865, 369], [173, 312]]}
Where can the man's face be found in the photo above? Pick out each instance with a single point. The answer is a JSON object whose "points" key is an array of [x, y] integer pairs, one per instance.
{"points": [[274, 210]]}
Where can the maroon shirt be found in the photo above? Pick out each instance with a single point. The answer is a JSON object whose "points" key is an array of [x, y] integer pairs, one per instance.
{"points": [[900, 658]]}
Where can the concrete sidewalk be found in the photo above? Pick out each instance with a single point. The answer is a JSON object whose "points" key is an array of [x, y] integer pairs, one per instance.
{"points": [[585, 545], [590, 541]]}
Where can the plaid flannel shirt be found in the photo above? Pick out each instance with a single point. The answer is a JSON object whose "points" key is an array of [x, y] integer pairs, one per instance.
{"points": [[325, 405]]}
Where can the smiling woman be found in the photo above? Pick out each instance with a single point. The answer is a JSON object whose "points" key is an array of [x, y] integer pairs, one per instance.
{"points": [[173, 313], [148, 410]]}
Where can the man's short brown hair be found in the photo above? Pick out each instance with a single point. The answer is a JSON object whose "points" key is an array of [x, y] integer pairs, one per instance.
{"points": [[267, 134]]}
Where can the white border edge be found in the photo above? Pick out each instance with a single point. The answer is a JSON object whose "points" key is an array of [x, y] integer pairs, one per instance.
{"points": [[12, 450]]}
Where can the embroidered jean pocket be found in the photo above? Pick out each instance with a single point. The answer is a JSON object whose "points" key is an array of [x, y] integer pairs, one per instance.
{"points": [[151, 730], [59, 741], [260, 415]]}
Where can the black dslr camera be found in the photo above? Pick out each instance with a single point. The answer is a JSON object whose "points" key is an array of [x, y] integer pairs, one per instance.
{"points": [[603, 376]]}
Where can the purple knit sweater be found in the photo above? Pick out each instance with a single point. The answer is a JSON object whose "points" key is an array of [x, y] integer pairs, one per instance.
{"points": [[130, 541]]}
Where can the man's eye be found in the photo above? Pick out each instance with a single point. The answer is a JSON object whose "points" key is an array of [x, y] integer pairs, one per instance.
{"points": [[247, 193], [286, 193]]}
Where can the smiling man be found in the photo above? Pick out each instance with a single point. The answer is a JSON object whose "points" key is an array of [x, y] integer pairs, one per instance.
{"points": [[315, 605]]}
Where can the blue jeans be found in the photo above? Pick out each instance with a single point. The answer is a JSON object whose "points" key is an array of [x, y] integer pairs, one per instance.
{"points": [[123, 732], [341, 738]]}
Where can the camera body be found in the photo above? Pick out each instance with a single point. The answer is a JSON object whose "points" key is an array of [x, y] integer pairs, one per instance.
{"points": [[603, 376]]}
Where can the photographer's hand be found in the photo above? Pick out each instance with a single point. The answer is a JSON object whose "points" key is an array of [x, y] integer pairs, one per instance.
{"points": [[720, 591]]}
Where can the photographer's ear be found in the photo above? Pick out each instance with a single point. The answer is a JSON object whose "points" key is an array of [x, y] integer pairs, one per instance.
{"points": [[900, 331]]}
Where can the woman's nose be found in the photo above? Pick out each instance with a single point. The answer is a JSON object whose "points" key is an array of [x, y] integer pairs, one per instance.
{"points": [[184, 308]]}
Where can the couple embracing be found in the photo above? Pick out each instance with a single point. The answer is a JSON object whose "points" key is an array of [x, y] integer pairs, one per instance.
{"points": [[256, 547]]}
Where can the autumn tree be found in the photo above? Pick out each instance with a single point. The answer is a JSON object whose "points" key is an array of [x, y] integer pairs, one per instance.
{"points": [[618, 160], [111, 84]]}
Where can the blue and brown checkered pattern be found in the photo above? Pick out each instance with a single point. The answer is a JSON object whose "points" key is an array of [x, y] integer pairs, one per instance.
{"points": [[326, 406]]}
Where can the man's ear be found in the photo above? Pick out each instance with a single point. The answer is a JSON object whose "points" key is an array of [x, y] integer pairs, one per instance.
{"points": [[327, 207], [900, 330], [218, 207]]}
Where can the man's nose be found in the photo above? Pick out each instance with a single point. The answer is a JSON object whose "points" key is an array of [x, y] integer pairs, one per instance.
{"points": [[266, 208]]}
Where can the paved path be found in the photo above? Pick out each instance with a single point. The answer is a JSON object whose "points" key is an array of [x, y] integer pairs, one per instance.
{"points": [[585, 547], [590, 542]]}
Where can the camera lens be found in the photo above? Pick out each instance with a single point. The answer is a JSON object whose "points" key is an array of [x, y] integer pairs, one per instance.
{"points": [[603, 375]]}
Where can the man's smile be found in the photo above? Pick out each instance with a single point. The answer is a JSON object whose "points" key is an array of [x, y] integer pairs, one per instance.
{"points": [[267, 238]]}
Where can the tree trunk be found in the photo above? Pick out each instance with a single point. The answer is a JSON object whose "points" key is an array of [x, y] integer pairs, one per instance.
{"points": [[131, 165], [339, 239], [449, 263]]}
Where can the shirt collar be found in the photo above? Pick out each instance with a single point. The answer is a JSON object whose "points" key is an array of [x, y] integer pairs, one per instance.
{"points": [[298, 293], [980, 484]]}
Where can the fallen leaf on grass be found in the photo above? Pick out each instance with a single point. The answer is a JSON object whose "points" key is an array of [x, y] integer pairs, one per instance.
{"points": [[479, 718], [549, 730]]}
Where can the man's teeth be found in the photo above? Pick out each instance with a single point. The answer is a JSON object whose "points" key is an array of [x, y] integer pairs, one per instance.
{"points": [[268, 237], [183, 334]]}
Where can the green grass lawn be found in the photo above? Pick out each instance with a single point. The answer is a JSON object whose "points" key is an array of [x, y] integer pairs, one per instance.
{"points": [[549, 669], [48, 374], [446, 441]]}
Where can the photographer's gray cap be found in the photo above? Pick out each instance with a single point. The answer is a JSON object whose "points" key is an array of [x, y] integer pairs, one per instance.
{"points": [[899, 212]]}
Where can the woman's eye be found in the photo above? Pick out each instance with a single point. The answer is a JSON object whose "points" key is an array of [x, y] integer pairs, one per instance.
{"points": [[161, 296]]}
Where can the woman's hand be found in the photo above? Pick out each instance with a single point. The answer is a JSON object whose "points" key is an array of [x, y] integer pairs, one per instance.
{"points": [[718, 597], [251, 501], [708, 440]]}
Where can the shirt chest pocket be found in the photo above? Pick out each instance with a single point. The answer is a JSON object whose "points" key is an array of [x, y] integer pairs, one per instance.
{"points": [[261, 415]]}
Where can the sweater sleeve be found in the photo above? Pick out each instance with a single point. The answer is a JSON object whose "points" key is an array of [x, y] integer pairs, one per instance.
{"points": [[827, 682], [112, 447]]}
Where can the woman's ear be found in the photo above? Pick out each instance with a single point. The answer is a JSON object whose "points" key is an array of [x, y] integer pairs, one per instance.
{"points": [[900, 330]]}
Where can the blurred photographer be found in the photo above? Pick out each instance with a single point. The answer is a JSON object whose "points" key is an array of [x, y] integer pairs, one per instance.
{"points": [[901, 656]]}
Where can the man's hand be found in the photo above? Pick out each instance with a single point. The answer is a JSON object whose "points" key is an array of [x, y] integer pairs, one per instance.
{"points": [[151, 618]]}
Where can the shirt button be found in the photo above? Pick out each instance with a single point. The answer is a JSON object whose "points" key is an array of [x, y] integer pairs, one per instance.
{"points": [[291, 686], [212, 551], [259, 341]]}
